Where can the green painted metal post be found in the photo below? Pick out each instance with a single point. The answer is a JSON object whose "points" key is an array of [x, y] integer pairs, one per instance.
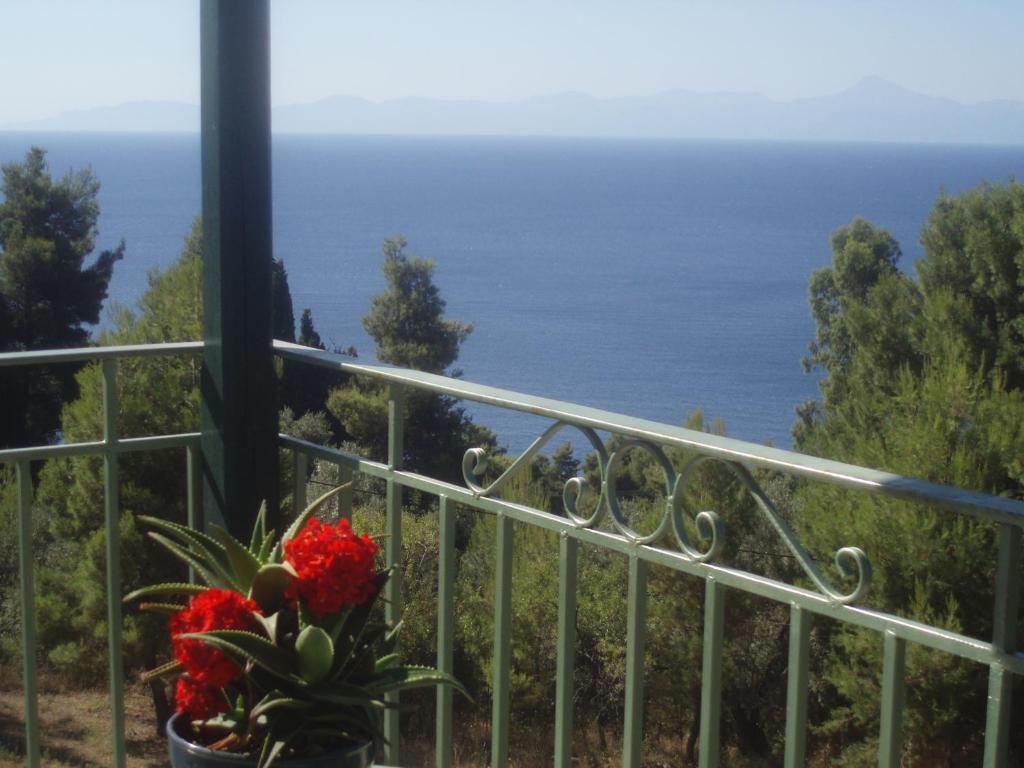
{"points": [[345, 497], [890, 737], [444, 754], [23, 476], [239, 413], [393, 591], [636, 642], [299, 491], [193, 465], [796, 688], [566, 662], [711, 680], [194, 496], [112, 514], [1004, 638], [502, 643]]}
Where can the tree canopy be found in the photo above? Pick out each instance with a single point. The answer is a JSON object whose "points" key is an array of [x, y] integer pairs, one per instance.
{"points": [[48, 294], [406, 320], [407, 323], [923, 377]]}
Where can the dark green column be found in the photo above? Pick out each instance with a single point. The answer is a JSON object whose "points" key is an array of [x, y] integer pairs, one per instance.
{"points": [[239, 413]]}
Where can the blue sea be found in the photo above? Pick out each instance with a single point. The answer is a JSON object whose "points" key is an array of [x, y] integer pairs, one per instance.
{"points": [[647, 277]]}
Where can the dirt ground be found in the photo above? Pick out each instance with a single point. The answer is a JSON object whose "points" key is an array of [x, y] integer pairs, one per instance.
{"points": [[76, 734], [76, 729]]}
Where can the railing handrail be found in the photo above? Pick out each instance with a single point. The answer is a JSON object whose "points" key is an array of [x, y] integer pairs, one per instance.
{"points": [[982, 505], [86, 354], [986, 506]]}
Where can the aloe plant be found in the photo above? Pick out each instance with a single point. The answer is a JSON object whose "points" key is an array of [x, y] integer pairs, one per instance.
{"points": [[300, 679]]}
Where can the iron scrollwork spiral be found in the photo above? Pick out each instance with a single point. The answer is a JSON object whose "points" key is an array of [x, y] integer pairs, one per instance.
{"points": [[851, 562]]}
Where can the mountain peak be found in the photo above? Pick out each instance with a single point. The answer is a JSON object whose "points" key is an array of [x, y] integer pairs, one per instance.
{"points": [[874, 92]]}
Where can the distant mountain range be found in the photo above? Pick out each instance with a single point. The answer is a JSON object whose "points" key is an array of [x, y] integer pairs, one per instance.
{"points": [[872, 110]]}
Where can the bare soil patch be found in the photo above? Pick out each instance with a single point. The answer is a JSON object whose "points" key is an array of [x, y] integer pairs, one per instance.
{"points": [[76, 729]]}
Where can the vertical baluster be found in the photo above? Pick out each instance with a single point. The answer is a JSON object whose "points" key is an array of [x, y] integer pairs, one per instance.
{"points": [[193, 493], [195, 488], [28, 612], [346, 496], [711, 682], [796, 689], [502, 643], [299, 485], [445, 628], [890, 737], [636, 641], [1004, 637], [393, 591], [111, 490], [566, 664]]}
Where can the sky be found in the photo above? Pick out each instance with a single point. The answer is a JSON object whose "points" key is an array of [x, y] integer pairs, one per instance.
{"points": [[61, 55]]}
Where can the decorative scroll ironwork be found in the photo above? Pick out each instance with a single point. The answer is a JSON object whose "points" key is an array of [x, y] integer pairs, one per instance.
{"points": [[851, 562]]}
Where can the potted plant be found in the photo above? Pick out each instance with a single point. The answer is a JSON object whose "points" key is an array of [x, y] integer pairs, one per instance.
{"points": [[279, 659]]}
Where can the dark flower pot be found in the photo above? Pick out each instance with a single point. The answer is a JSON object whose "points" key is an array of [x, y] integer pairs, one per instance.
{"points": [[185, 754]]}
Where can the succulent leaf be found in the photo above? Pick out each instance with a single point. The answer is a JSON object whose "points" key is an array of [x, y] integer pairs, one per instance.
{"points": [[269, 704], [243, 562], [166, 589], [212, 573], [269, 584], [164, 670], [259, 530], [401, 678], [190, 538], [268, 543], [248, 646], [316, 653]]}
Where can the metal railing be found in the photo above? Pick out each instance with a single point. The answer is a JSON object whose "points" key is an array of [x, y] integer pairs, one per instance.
{"points": [[110, 448], [578, 528]]}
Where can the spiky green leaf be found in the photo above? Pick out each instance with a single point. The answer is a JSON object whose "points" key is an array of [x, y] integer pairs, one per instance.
{"points": [[244, 564], [194, 540], [259, 530], [166, 589], [270, 704], [401, 678], [248, 646], [169, 669], [211, 573]]}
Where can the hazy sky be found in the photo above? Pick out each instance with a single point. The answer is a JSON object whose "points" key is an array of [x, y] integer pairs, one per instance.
{"points": [[74, 54]]}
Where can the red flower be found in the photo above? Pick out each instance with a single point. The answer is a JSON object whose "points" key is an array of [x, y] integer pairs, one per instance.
{"points": [[335, 567], [212, 609], [198, 701]]}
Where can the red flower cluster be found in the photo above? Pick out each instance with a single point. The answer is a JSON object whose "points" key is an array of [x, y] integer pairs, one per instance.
{"points": [[212, 609], [199, 701], [335, 567]]}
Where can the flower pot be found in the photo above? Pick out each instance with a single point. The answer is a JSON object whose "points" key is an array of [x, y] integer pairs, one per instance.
{"points": [[185, 754]]}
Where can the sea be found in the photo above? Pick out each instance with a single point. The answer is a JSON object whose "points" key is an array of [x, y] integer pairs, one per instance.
{"points": [[650, 278]]}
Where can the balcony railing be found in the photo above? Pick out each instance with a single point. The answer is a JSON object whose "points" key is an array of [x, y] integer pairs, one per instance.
{"points": [[694, 558]]}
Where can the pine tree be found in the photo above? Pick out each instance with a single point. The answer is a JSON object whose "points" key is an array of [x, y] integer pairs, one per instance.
{"points": [[47, 293], [407, 323]]}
